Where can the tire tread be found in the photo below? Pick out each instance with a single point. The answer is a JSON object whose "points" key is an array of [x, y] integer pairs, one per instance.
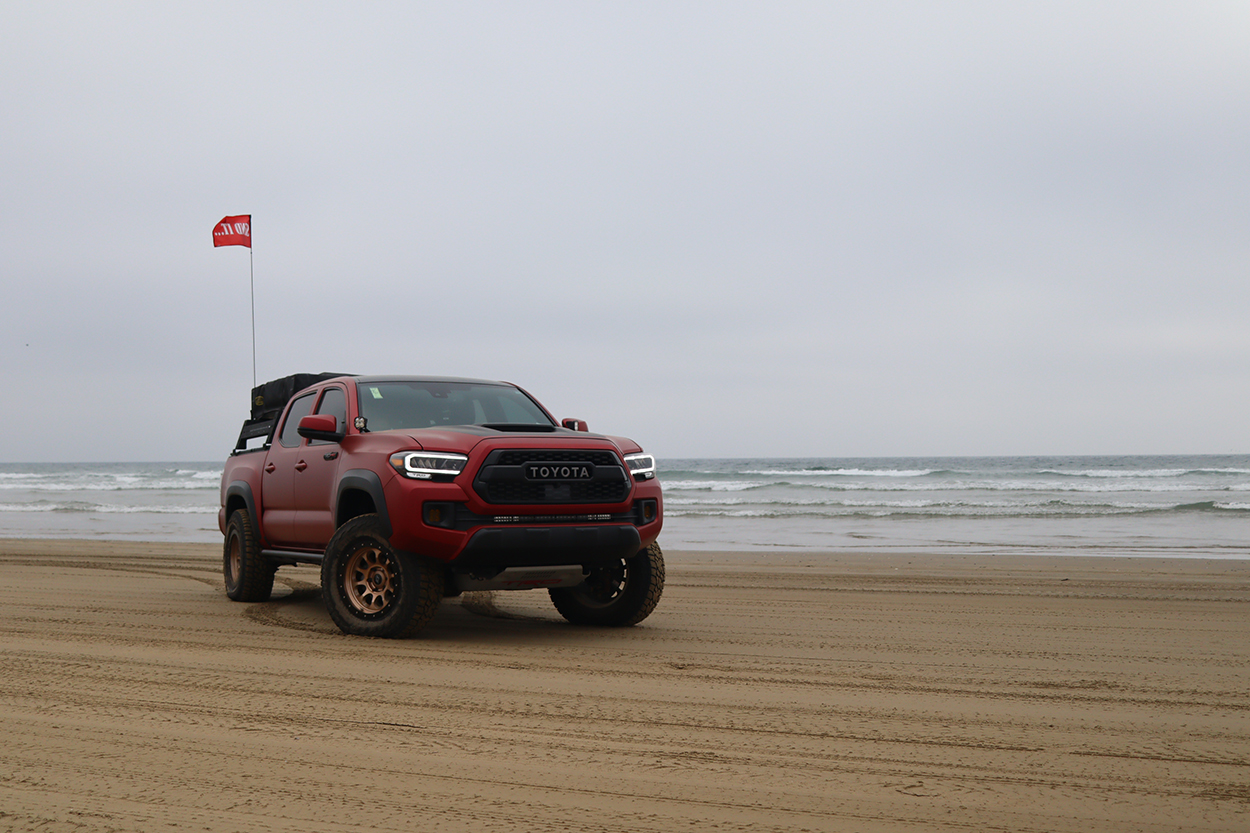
{"points": [[422, 579], [255, 579], [635, 603]]}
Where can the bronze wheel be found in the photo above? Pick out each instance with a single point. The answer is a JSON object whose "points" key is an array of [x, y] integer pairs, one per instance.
{"points": [[234, 559], [372, 589], [617, 594], [371, 580]]}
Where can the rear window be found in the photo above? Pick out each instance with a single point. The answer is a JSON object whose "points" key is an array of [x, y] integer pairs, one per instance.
{"points": [[300, 408], [390, 405]]}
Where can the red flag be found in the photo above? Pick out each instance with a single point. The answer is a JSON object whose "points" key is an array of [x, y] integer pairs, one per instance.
{"points": [[233, 231]]}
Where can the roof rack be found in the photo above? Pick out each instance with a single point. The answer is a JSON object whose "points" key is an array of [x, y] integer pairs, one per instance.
{"points": [[269, 399]]}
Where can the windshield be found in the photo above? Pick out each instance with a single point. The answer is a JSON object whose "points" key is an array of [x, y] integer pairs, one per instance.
{"points": [[390, 405]]}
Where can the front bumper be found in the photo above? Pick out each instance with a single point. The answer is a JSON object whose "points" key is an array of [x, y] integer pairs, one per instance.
{"points": [[492, 548]]}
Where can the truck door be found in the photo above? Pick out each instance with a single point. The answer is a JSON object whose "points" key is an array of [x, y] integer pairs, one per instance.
{"points": [[278, 500], [314, 484]]}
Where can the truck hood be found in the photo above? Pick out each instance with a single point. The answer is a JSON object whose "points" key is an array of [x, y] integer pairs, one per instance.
{"points": [[464, 438]]}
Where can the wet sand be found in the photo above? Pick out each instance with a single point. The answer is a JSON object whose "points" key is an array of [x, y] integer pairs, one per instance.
{"points": [[787, 693]]}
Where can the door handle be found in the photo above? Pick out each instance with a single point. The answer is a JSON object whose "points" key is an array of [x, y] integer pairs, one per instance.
{"points": [[301, 465], [330, 455], [270, 468]]}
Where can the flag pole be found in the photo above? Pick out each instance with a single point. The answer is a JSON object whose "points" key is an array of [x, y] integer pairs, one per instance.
{"points": [[237, 231], [251, 274]]}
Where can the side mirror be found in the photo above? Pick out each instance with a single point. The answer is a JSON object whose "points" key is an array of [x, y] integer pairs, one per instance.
{"points": [[574, 424], [319, 427]]}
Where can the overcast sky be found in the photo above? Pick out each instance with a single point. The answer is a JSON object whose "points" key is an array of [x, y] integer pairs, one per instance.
{"points": [[724, 229]]}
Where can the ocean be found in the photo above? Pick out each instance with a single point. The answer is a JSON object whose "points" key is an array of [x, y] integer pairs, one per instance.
{"points": [[1166, 506]]}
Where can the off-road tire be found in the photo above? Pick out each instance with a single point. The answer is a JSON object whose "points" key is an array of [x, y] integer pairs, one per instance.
{"points": [[372, 589], [616, 596], [248, 574]]}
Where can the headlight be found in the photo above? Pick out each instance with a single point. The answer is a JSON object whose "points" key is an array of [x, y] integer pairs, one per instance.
{"points": [[641, 466], [423, 465]]}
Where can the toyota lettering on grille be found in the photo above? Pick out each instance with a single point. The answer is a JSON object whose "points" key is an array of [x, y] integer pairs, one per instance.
{"points": [[559, 471]]}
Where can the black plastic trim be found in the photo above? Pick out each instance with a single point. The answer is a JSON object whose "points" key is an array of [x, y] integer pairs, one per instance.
{"points": [[501, 478], [464, 520], [241, 488], [292, 556], [368, 482], [530, 546]]}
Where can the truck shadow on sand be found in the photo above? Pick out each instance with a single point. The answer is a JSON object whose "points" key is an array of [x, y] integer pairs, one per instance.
{"points": [[485, 613]]}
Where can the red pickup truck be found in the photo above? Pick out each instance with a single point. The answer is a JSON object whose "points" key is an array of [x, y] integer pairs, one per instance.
{"points": [[406, 489]]}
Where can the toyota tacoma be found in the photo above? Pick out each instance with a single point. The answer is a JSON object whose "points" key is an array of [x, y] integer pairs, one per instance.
{"points": [[406, 489]]}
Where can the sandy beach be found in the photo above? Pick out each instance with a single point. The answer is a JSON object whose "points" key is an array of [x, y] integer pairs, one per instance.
{"points": [[791, 693]]}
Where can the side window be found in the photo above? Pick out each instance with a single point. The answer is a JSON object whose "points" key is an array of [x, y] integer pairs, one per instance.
{"points": [[300, 408], [333, 403]]}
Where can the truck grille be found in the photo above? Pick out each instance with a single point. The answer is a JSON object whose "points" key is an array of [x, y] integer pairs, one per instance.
{"points": [[579, 476]]}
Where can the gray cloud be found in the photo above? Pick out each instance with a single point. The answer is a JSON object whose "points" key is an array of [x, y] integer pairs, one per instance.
{"points": [[724, 229]]}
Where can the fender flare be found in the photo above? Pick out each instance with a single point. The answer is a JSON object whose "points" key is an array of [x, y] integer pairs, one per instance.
{"points": [[243, 489], [362, 480]]}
